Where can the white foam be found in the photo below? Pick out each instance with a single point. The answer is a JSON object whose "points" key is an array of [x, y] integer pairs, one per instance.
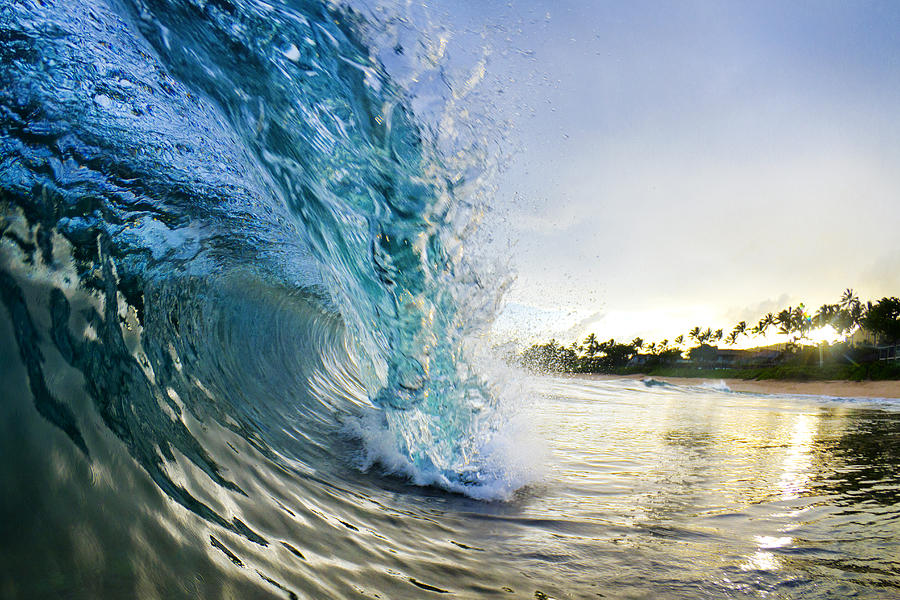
{"points": [[718, 386], [509, 459]]}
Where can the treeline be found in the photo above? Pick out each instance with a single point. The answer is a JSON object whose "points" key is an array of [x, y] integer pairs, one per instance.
{"points": [[881, 318], [595, 357]]}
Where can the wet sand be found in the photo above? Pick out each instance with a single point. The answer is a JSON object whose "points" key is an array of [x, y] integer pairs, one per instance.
{"points": [[840, 389]]}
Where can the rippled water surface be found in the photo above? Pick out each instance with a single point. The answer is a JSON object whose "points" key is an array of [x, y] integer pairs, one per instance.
{"points": [[650, 492], [679, 492]]}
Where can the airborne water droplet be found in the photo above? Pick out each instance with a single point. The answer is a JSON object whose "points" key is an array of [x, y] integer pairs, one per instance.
{"points": [[292, 53]]}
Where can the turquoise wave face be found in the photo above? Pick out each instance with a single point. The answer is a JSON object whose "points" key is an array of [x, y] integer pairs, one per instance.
{"points": [[234, 216]]}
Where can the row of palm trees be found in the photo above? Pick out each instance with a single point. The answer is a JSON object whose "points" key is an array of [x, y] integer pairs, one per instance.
{"points": [[795, 322], [845, 316], [591, 357]]}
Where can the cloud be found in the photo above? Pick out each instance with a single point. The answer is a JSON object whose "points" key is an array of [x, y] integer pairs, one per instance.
{"points": [[579, 329], [753, 313]]}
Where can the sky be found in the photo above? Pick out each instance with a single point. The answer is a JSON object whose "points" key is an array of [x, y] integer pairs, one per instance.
{"points": [[686, 163]]}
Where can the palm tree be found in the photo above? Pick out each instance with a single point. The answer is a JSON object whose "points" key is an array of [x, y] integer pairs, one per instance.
{"points": [[825, 314], [679, 339], [694, 334], [800, 321], [717, 336], [764, 323], [590, 345], [638, 343], [842, 321], [785, 321], [849, 298], [858, 313], [739, 330]]}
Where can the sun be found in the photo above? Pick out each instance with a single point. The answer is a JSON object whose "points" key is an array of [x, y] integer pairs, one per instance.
{"points": [[826, 334]]}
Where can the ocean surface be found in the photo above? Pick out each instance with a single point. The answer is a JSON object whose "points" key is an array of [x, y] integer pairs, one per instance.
{"points": [[243, 352], [646, 491]]}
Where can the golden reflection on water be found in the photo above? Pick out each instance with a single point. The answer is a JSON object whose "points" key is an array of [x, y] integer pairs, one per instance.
{"points": [[795, 475], [763, 559], [792, 483], [716, 479]]}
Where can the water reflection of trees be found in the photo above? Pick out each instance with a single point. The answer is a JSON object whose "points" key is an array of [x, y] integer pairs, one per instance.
{"points": [[849, 530], [859, 466]]}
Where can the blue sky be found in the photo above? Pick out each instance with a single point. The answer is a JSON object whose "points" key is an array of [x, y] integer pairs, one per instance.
{"points": [[689, 163]]}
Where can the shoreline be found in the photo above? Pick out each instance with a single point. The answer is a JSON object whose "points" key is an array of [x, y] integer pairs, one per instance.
{"points": [[834, 388]]}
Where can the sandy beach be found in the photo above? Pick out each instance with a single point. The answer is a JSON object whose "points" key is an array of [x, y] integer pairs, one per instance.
{"points": [[842, 389]]}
